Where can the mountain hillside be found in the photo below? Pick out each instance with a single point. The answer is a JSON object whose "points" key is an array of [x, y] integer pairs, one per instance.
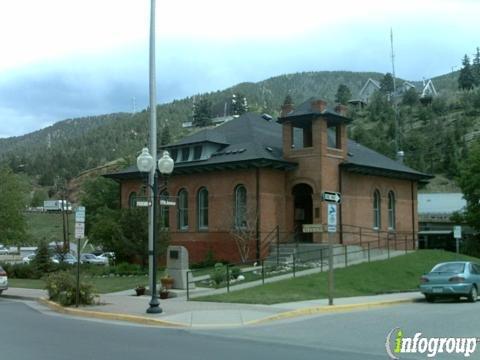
{"points": [[69, 147]]}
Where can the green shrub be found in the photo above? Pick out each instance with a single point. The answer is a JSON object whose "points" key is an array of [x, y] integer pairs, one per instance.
{"points": [[41, 262], [61, 287], [21, 271], [219, 274], [235, 272]]}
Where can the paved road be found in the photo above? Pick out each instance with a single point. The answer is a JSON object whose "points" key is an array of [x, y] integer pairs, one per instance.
{"points": [[27, 333], [364, 332]]}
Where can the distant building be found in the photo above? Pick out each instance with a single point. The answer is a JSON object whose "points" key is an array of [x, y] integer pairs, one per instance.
{"points": [[428, 89], [435, 224], [425, 90]]}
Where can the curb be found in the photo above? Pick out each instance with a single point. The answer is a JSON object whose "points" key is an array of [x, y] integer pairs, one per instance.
{"points": [[19, 297], [328, 309], [281, 316], [108, 316]]}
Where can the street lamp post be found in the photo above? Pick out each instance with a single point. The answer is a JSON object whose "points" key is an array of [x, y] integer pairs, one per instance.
{"points": [[146, 164]]}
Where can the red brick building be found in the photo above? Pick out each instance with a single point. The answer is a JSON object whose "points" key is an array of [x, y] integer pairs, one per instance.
{"points": [[256, 176]]}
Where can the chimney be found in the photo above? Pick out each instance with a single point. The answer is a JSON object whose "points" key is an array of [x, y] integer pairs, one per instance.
{"points": [[341, 109], [318, 105], [286, 109]]}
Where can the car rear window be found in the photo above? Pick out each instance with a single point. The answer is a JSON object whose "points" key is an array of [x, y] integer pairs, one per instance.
{"points": [[450, 268], [1, 269]]}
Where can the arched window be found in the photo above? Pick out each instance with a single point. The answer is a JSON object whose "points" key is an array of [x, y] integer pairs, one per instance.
{"points": [[240, 206], [202, 209], [164, 211], [377, 220], [391, 210], [182, 210], [132, 200]]}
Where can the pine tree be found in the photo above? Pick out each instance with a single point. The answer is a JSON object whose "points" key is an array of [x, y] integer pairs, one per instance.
{"points": [[343, 94], [476, 67], [466, 80], [386, 84], [239, 104], [202, 114], [166, 138], [288, 100]]}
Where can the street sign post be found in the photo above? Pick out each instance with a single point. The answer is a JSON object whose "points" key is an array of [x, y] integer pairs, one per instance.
{"points": [[79, 235], [332, 218], [332, 229], [331, 196]]}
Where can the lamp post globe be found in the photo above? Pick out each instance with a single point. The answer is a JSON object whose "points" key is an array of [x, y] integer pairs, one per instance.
{"points": [[145, 161], [165, 164]]}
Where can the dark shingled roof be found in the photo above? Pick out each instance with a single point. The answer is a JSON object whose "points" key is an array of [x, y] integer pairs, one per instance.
{"points": [[205, 135], [252, 140], [305, 110]]}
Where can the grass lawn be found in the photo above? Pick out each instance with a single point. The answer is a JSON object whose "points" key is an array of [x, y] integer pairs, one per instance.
{"points": [[401, 273], [48, 226], [102, 285]]}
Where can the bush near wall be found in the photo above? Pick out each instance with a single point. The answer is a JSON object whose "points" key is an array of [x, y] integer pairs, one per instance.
{"points": [[61, 287]]}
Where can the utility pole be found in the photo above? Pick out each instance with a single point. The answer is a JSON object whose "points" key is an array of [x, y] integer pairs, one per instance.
{"points": [[395, 110]]}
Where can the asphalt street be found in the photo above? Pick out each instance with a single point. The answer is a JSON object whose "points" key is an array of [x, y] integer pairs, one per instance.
{"points": [[31, 332], [365, 331], [27, 334]]}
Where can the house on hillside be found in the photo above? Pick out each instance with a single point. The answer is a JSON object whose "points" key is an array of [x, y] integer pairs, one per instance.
{"points": [[256, 180], [428, 89], [425, 90], [371, 86]]}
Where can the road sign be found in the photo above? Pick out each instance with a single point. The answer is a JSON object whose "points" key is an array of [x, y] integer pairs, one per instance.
{"points": [[79, 230], [332, 217], [79, 217], [312, 228], [457, 232], [331, 196], [144, 203]]}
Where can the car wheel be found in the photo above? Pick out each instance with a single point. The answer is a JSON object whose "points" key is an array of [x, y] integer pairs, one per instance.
{"points": [[1, 291], [472, 297], [430, 298]]}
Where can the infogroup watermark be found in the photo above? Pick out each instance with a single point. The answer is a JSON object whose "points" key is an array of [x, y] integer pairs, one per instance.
{"points": [[397, 343]]}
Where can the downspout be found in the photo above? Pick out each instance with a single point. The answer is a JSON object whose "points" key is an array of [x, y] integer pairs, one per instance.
{"points": [[257, 227], [340, 204], [413, 215]]}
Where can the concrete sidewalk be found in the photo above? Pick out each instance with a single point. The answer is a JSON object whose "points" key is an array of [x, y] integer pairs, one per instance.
{"points": [[178, 312]]}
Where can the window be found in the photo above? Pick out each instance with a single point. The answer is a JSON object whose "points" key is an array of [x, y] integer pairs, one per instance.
{"points": [[202, 208], [185, 154], [197, 152], [302, 136], [240, 206], [333, 137], [164, 211], [132, 200], [376, 210], [391, 210], [182, 210]]}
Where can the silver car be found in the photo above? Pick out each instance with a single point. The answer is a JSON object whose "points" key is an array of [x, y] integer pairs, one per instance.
{"points": [[3, 280], [452, 279]]}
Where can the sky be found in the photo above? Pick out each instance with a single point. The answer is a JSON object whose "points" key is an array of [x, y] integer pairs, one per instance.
{"points": [[62, 59]]}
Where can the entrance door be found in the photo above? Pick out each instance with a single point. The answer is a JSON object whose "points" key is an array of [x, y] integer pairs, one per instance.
{"points": [[303, 210]]}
